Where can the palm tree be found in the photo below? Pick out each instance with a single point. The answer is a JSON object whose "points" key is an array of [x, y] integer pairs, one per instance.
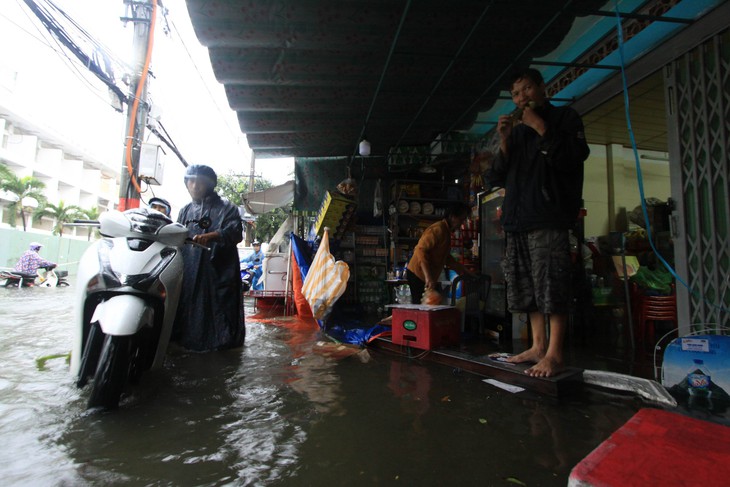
{"points": [[20, 188], [91, 214], [60, 212]]}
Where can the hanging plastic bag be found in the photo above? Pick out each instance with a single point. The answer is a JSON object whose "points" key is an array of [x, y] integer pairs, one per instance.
{"points": [[326, 280], [378, 200], [432, 297]]}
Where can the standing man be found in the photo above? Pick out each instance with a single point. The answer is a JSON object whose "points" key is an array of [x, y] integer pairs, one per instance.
{"points": [[210, 315], [540, 165], [433, 253]]}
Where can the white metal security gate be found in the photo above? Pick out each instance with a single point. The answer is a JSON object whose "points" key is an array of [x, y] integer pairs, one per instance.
{"points": [[697, 88]]}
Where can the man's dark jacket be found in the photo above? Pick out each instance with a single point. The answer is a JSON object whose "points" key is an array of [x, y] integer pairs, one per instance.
{"points": [[542, 176]]}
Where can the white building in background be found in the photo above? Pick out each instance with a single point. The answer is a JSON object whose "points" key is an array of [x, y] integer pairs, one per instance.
{"points": [[69, 172]]}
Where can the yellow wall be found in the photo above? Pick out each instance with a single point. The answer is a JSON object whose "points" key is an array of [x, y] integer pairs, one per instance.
{"points": [[611, 185]]}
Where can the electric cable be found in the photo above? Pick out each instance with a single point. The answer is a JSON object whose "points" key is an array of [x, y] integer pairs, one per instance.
{"points": [[168, 142], [639, 175], [53, 45], [234, 134], [62, 36]]}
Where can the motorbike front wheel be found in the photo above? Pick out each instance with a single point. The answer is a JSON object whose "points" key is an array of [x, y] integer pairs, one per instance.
{"points": [[112, 372]]}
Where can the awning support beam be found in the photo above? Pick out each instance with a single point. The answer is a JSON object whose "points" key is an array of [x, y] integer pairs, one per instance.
{"points": [[629, 15], [577, 65]]}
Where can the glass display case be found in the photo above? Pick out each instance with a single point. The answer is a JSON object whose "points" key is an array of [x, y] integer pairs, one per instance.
{"points": [[497, 317]]}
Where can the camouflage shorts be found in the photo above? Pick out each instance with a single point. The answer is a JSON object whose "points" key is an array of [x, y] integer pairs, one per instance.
{"points": [[536, 267]]}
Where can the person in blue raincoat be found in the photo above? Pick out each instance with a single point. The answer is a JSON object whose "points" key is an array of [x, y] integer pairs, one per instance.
{"points": [[210, 313], [257, 259], [161, 205]]}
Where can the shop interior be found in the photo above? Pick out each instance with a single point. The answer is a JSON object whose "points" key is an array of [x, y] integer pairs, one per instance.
{"points": [[396, 197]]}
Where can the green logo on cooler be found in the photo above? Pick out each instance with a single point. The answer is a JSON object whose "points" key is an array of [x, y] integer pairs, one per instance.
{"points": [[409, 325]]}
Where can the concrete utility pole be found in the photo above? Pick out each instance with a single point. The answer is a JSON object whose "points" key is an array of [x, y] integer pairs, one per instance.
{"points": [[143, 14]]}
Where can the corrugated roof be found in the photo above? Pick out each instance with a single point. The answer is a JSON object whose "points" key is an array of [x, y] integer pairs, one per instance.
{"points": [[310, 78]]}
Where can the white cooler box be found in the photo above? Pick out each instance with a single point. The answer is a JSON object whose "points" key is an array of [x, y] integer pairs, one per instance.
{"points": [[275, 269]]}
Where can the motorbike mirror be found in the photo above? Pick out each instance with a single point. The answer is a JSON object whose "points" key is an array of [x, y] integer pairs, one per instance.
{"points": [[204, 223]]}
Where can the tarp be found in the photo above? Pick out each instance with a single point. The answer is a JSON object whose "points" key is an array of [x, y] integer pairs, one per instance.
{"points": [[302, 254], [300, 302], [301, 259], [260, 202], [326, 280], [342, 330]]}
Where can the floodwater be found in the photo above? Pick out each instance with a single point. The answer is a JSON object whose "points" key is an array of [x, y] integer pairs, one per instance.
{"points": [[277, 412]]}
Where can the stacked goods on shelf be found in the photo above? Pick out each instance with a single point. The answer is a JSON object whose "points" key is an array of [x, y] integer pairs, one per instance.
{"points": [[414, 206], [371, 260], [336, 212]]}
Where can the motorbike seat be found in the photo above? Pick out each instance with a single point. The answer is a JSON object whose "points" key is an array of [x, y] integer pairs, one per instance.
{"points": [[24, 275]]}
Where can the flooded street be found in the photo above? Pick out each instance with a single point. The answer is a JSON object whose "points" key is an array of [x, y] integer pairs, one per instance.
{"points": [[277, 413]]}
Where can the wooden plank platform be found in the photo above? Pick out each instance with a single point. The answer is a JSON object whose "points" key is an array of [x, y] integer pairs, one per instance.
{"points": [[564, 383]]}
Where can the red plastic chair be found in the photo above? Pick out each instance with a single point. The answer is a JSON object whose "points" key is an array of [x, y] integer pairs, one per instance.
{"points": [[650, 309]]}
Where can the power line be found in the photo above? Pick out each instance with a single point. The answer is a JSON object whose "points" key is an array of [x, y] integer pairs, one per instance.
{"points": [[234, 134], [104, 72]]}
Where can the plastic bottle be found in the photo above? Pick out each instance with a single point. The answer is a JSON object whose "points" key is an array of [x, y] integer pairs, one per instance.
{"points": [[699, 380]]}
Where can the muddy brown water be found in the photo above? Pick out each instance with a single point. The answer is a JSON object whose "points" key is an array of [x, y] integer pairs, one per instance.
{"points": [[278, 412]]}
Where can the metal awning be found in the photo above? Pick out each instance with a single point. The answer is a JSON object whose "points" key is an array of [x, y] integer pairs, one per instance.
{"points": [[311, 78]]}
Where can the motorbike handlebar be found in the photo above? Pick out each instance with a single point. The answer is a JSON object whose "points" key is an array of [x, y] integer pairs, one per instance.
{"points": [[193, 242], [83, 223]]}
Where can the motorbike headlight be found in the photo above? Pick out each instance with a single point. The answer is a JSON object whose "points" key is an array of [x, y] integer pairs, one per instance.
{"points": [[138, 244]]}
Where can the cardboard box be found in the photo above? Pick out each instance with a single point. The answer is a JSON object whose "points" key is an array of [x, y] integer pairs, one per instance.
{"points": [[425, 327], [335, 212]]}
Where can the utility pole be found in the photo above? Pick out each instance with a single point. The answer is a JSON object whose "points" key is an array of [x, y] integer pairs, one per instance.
{"points": [[252, 174], [143, 15], [251, 179]]}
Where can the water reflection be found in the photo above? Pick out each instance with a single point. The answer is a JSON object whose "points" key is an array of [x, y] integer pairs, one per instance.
{"points": [[284, 410], [411, 383]]}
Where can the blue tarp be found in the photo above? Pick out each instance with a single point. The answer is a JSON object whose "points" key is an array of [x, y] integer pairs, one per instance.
{"points": [[338, 327]]}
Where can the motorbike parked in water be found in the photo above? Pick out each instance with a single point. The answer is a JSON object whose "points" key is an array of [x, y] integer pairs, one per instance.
{"points": [[129, 285], [49, 278]]}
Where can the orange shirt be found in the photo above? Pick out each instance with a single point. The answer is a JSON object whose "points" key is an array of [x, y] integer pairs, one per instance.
{"points": [[433, 249]]}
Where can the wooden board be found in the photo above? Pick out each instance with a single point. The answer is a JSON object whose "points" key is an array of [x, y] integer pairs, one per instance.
{"points": [[566, 382]]}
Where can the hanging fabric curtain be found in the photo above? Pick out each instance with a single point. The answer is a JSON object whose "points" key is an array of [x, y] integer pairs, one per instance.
{"points": [[326, 280]]}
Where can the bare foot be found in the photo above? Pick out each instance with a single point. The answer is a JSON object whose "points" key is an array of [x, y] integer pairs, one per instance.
{"points": [[532, 355], [546, 367]]}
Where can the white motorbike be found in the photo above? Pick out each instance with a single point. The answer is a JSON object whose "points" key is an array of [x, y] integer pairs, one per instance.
{"points": [[127, 294]]}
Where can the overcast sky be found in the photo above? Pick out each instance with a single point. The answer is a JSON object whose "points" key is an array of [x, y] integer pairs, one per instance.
{"points": [[193, 104]]}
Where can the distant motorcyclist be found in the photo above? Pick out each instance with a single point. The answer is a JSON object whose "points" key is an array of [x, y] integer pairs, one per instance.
{"points": [[30, 261], [257, 259], [161, 205]]}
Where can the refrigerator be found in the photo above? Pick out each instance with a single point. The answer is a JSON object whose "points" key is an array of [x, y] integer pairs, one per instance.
{"points": [[491, 247]]}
